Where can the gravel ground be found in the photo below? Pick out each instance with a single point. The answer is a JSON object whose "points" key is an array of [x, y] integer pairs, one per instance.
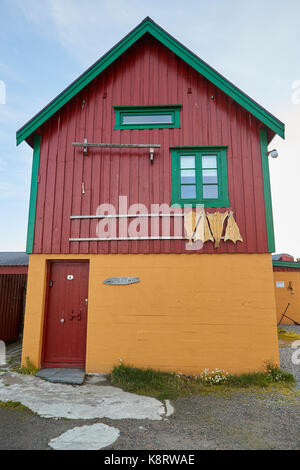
{"points": [[286, 352], [295, 328], [238, 421]]}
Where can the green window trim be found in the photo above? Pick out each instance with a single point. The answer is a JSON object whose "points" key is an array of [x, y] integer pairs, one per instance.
{"points": [[122, 111], [267, 190], [221, 153], [33, 192]]}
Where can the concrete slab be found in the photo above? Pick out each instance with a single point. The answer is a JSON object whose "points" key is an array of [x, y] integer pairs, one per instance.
{"points": [[62, 376], [93, 437], [87, 401]]}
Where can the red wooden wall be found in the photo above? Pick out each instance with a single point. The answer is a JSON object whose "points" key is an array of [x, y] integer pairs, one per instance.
{"points": [[285, 268], [148, 74], [12, 296]]}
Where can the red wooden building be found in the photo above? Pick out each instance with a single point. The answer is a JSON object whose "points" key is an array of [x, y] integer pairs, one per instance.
{"points": [[147, 125]]}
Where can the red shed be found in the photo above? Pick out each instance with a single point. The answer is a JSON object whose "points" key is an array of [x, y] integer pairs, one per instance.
{"points": [[13, 280]]}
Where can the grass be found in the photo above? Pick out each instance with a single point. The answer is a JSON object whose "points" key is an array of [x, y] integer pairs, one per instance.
{"points": [[16, 405], [163, 385], [287, 335], [29, 369]]}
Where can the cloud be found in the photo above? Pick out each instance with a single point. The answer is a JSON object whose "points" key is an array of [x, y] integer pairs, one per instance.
{"points": [[10, 115], [3, 164], [85, 29], [9, 190], [7, 72]]}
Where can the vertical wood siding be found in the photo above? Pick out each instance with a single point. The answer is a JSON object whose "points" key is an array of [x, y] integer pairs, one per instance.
{"points": [[147, 74], [12, 293], [285, 268]]}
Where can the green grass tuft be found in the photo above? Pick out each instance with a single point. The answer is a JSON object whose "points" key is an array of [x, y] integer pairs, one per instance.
{"points": [[288, 335], [163, 385], [16, 405], [29, 369], [149, 382]]}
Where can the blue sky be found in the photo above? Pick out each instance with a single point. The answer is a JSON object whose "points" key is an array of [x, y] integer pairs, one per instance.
{"points": [[46, 44]]}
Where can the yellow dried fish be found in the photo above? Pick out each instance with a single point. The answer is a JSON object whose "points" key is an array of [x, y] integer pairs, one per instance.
{"points": [[232, 231], [191, 222], [202, 231], [216, 222]]}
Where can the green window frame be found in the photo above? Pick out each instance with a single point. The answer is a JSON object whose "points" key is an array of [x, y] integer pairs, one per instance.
{"points": [[121, 112], [207, 179]]}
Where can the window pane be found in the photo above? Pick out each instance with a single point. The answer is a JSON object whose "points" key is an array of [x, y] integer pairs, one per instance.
{"points": [[209, 161], [210, 192], [188, 192], [210, 176], [188, 176], [187, 161], [147, 119]]}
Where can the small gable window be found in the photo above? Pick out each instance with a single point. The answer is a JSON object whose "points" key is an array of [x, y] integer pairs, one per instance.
{"points": [[147, 117], [199, 176]]}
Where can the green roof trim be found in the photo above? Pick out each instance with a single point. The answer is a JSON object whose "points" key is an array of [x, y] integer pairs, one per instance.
{"points": [[149, 26], [33, 192], [286, 264], [267, 190]]}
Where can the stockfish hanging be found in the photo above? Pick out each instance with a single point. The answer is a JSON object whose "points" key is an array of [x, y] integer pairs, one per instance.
{"points": [[216, 222], [202, 231], [232, 231]]}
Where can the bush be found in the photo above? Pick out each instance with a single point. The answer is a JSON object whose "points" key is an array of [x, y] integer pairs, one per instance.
{"points": [[277, 375]]}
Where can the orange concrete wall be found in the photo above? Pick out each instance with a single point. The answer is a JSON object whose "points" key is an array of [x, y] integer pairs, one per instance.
{"points": [[188, 312], [284, 295]]}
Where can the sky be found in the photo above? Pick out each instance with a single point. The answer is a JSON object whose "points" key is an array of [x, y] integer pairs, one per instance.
{"points": [[46, 44]]}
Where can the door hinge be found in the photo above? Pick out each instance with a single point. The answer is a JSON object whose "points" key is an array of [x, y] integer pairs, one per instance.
{"points": [[50, 283]]}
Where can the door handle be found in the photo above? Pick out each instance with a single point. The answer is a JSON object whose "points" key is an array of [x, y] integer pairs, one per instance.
{"points": [[76, 315]]}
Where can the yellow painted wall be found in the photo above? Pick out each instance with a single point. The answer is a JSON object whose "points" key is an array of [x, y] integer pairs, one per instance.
{"points": [[188, 313], [284, 295]]}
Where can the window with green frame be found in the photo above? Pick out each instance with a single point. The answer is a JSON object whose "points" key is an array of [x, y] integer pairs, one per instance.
{"points": [[147, 117], [199, 176]]}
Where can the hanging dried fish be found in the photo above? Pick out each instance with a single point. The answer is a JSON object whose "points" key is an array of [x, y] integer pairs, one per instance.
{"points": [[189, 226], [191, 222], [216, 222], [232, 231], [202, 231]]}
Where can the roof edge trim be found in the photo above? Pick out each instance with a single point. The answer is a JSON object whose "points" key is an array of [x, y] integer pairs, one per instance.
{"points": [[149, 26], [287, 264]]}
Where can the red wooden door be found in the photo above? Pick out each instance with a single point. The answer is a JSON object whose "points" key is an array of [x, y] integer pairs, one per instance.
{"points": [[65, 325]]}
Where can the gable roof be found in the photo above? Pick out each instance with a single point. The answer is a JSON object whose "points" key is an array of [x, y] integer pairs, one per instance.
{"points": [[150, 27], [277, 256]]}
